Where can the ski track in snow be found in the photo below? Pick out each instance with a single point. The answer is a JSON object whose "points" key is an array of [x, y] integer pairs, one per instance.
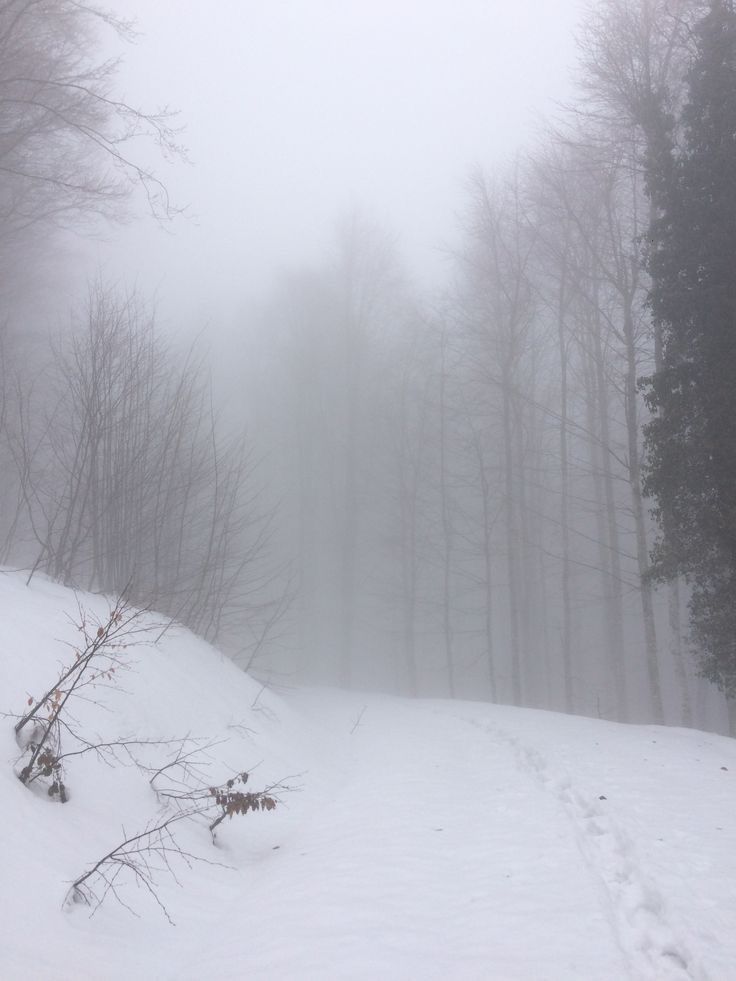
{"points": [[637, 910]]}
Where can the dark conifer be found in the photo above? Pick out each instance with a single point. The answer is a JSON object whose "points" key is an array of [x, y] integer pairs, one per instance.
{"points": [[691, 442]]}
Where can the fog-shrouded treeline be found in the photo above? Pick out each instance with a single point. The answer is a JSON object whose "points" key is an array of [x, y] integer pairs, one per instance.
{"points": [[433, 491], [116, 471], [461, 469], [126, 481]]}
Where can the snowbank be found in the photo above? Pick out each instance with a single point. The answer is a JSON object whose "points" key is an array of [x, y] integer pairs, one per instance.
{"points": [[428, 839]]}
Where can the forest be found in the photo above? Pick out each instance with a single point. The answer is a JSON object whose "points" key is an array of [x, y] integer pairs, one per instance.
{"points": [[515, 485]]}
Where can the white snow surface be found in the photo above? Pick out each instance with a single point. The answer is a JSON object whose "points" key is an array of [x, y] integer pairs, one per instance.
{"points": [[424, 839]]}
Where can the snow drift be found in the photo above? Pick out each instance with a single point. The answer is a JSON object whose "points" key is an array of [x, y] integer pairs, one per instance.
{"points": [[420, 839]]}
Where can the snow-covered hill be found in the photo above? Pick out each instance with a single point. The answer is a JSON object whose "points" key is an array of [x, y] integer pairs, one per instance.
{"points": [[424, 840]]}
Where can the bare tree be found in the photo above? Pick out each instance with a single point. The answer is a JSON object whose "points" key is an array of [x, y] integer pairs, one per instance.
{"points": [[71, 152], [498, 320], [129, 482], [409, 421], [66, 140], [366, 275]]}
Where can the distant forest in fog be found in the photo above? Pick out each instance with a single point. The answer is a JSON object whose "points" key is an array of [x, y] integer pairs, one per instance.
{"points": [[437, 492]]}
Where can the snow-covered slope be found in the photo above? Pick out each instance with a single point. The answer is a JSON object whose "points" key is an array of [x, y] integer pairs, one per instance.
{"points": [[426, 839]]}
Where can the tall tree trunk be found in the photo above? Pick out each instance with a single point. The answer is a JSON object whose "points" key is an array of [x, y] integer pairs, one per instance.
{"points": [[615, 606], [678, 654], [673, 586], [350, 530], [488, 580], [642, 551], [565, 498], [447, 530], [512, 543], [487, 555], [408, 491]]}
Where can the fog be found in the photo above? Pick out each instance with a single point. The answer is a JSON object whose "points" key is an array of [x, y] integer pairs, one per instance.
{"points": [[359, 400], [295, 113]]}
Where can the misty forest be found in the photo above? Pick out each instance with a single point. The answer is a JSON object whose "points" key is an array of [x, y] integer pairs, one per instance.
{"points": [[368, 490], [512, 480]]}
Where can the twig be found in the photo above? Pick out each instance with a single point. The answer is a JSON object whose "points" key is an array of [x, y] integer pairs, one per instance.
{"points": [[358, 720]]}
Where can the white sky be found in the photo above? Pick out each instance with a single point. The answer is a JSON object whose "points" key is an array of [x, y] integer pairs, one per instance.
{"points": [[298, 110]]}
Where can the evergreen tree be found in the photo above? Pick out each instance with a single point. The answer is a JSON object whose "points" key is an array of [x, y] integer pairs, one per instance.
{"points": [[691, 442]]}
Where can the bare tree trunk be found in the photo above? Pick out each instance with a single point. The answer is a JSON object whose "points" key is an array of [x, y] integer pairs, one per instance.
{"points": [[532, 646], [408, 468], [615, 581], [673, 586], [488, 519], [349, 542], [678, 654], [409, 593], [731, 707], [565, 498], [642, 551], [487, 569], [447, 529], [512, 546]]}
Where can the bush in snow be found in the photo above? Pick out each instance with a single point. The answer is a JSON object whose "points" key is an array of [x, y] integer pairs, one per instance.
{"points": [[49, 735], [47, 723]]}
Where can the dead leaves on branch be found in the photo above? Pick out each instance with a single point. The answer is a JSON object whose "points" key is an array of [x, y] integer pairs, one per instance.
{"points": [[240, 802], [156, 848]]}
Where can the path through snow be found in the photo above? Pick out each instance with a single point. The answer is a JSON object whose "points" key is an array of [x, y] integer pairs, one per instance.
{"points": [[637, 910]]}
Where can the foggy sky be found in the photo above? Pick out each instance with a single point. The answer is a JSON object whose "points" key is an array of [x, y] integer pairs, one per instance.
{"points": [[296, 111]]}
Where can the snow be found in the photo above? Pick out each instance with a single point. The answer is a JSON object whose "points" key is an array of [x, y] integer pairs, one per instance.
{"points": [[423, 839]]}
